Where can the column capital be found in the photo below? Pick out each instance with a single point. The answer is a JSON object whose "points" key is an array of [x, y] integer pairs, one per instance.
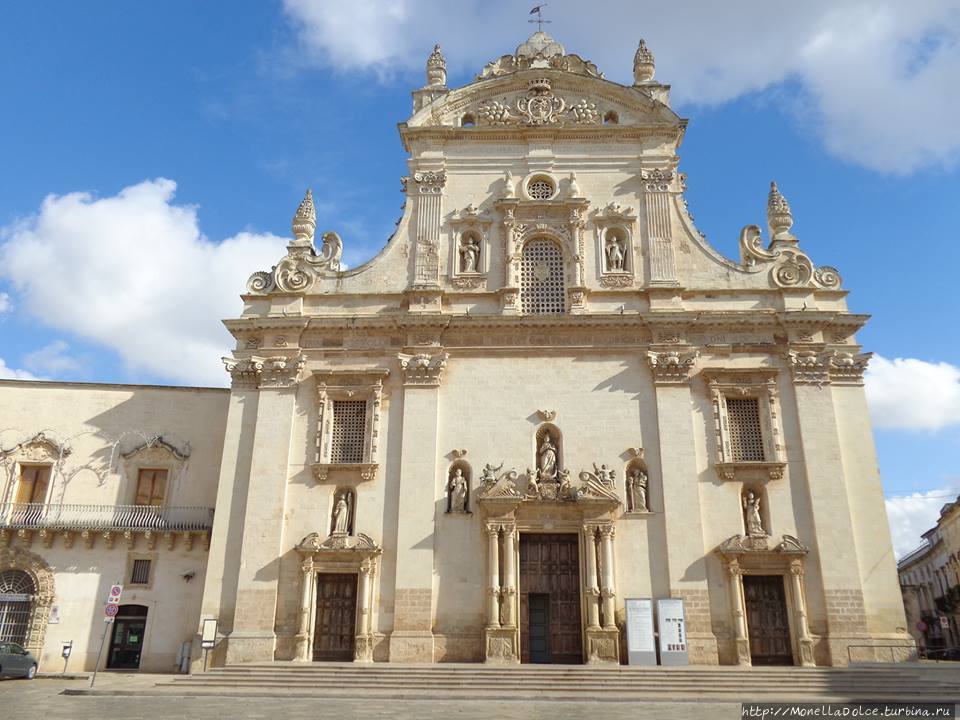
{"points": [[422, 368], [672, 367], [796, 567], [607, 531], [492, 529], [280, 371], [307, 566]]}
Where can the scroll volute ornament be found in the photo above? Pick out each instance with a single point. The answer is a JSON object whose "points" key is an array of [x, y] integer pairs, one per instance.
{"points": [[789, 265]]}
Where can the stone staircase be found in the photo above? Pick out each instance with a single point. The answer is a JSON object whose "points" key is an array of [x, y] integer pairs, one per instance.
{"points": [[905, 682]]}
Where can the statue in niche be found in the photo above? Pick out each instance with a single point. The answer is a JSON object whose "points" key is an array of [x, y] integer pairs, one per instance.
{"points": [[457, 487], [469, 254], [751, 507], [614, 254], [547, 458], [341, 515], [637, 491]]}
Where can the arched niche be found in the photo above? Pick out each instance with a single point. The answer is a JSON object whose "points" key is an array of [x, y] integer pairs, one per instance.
{"points": [[556, 438], [755, 492], [336, 525], [637, 486], [454, 484]]}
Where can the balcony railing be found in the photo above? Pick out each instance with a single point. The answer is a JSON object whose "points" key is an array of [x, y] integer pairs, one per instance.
{"points": [[105, 517]]}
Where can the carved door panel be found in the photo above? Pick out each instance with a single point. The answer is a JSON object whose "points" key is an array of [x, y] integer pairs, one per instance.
{"points": [[550, 576], [767, 621], [335, 628]]}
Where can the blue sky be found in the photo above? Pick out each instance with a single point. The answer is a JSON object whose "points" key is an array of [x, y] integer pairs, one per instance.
{"points": [[240, 108]]}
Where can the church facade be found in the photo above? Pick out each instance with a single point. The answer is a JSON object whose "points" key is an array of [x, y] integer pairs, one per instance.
{"points": [[547, 394]]}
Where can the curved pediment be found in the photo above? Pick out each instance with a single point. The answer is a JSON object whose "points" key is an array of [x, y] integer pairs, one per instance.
{"points": [[544, 97]]}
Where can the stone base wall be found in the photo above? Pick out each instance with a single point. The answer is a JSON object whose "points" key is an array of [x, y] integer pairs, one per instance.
{"points": [[458, 647], [846, 613], [701, 642]]}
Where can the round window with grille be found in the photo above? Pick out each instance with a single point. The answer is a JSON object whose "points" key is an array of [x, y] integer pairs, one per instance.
{"points": [[16, 594], [542, 289], [540, 189]]}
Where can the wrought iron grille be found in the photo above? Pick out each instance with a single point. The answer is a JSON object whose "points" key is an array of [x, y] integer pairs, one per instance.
{"points": [[542, 290], [141, 572], [16, 594], [349, 431], [746, 436]]}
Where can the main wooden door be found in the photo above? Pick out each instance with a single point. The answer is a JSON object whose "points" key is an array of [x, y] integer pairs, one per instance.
{"points": [[550, 626], [767, 620], [335, 629]]}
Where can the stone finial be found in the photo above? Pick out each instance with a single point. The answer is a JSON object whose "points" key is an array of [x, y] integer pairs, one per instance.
{"points": [[305, 221], [643, 67], [574, 186], [436, 68], [779, 217]]}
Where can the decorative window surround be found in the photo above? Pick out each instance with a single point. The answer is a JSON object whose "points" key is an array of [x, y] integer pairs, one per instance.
{"points": [[749, 383], [466, 223], [348, 385], [621, 220], [561, 220]]}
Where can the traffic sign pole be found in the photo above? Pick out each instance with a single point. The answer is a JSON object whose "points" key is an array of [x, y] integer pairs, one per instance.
{"points": [[109, 613]]}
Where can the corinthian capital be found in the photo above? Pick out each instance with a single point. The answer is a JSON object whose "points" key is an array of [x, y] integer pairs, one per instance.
{"points": [[672, 366], [423, 368], [244, 373]]}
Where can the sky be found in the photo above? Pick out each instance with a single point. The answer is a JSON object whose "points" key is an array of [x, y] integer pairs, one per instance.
{"points": [[152, 155]]}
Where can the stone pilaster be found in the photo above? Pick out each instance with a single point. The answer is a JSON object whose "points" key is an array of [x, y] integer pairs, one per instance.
{"points": [[426, 190], [412, 636], [686, 562], [252, 637], [656, 202]]}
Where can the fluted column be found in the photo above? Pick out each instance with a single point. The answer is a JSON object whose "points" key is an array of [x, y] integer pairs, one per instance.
{"points": [[608, 591], [364, 646], [804, 641], [592, 590], [509, 592], [493, 576], [306, 596], [739, 619]]}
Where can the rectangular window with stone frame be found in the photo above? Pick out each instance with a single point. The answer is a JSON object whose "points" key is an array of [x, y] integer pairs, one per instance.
{"points": [[746, 418], [348, 422]]}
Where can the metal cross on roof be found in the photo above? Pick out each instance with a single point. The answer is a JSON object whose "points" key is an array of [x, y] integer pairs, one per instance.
{"points": [[539, 21]]}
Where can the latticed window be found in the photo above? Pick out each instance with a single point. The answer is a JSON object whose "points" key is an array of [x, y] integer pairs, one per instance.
{"points": [[746, 435], [140, 575], [541, 278], [16, 595], [349, 431], [540, 189]]}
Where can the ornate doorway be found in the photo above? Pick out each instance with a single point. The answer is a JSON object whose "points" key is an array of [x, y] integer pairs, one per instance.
{"points": [[767, 623], [336, 619], [550, 624]]}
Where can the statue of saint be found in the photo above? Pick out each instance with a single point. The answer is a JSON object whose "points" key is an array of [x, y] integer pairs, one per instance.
{"points": [[547, 458], [457, 486], [751, 506], [614, 254], [637, 491], [341, 516], [469, 255]]}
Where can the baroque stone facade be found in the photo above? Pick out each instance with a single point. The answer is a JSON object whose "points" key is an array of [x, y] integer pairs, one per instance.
{"points": [[392, 487]]}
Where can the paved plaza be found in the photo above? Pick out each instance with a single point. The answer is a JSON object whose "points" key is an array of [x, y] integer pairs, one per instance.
{"points": [[43, 698]]}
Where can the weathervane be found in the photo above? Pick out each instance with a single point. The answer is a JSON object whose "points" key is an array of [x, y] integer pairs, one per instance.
{"points": [[539, 21]]}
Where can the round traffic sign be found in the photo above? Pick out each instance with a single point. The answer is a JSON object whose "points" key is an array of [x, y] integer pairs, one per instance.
{"points": [[111, 610]]}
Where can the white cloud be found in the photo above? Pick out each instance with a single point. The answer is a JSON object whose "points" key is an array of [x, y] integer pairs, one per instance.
{"points": [[912, 515], [6, 304], [133, 272], [52, 359], [876, 76], [911, 394], [9, 373]]}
